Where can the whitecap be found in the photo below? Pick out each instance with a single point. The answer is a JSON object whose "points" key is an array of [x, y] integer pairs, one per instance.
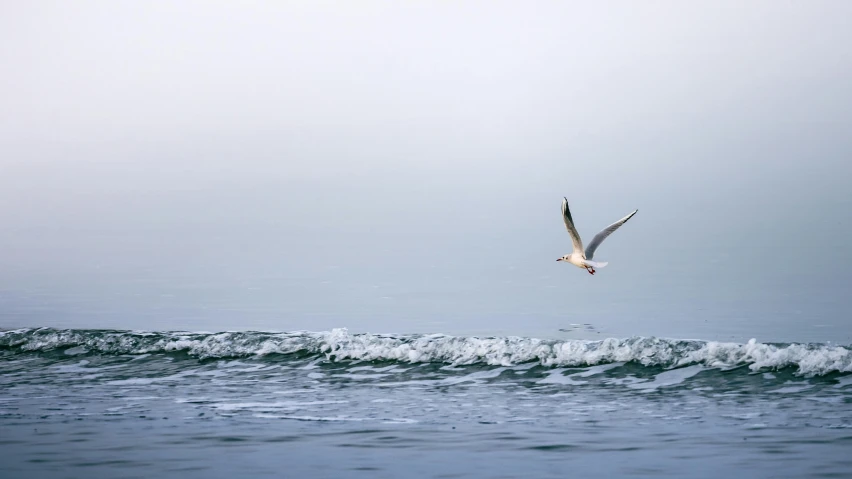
{"points": [[453, 351]]}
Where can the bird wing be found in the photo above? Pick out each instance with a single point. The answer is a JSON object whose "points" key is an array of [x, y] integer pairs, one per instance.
{"points": [[598, 239], [569, 224]]}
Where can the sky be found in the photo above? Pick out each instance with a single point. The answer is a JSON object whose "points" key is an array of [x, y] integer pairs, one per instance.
{"points": [[399, 166]]}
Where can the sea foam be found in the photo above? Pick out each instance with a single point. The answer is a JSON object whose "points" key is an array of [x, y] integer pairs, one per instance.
{"points": [[340, 344]]}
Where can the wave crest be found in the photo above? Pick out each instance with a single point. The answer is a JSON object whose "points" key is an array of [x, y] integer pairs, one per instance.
{"points": [[340, 344]]}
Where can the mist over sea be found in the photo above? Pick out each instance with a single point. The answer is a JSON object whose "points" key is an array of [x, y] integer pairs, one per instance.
{"points": [[318, 239]]}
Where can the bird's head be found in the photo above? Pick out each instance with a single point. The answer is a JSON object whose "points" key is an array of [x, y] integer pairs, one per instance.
{"points": [[564, 258]]}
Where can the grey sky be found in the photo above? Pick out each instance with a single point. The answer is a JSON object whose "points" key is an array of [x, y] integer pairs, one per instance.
{"points": [[399, 165]]}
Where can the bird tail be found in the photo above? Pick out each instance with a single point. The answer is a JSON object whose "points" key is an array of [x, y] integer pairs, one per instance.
{"points": [[594, 264]]}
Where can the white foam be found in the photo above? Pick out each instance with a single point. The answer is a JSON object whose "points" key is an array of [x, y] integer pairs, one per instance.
{"points": [[387, 369], [133, 382], [557, 376], [311, 418], [475, 378], [810, 360], [267, 406], [598, 370], [146, 381], [792, 388], [340, 344], [398, 420], [668, 378], [79, 367], [625, 381], [361, 377]]}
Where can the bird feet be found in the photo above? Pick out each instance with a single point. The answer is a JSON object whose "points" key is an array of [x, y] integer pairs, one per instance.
{"points": [[591, 271]]}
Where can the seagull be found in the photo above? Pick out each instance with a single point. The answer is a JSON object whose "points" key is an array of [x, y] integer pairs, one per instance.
{"points": [[578, 257]]}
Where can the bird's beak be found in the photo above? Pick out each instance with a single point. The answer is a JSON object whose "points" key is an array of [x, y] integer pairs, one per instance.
{"points": [[558, 259]]}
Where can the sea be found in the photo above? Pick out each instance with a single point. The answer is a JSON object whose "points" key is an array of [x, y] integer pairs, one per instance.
{"points": [[81, 403]]}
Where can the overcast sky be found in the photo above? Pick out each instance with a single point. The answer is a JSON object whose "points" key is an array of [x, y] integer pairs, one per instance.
{"points": [[398, 166]]}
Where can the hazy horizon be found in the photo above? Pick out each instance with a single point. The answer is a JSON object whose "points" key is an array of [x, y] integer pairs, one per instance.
{"points": [[393, 167]]}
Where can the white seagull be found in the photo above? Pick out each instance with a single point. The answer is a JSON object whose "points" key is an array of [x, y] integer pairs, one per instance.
{"points": [[578, 257]]}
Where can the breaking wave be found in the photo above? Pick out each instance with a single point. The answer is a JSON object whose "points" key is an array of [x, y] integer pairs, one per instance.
{"points": [[340, 345]]}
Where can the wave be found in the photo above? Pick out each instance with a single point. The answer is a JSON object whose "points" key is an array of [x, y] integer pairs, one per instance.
{"points": [[340, 345]]}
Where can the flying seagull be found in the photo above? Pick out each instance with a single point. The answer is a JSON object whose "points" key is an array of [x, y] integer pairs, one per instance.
{"points": [[578, 257]]}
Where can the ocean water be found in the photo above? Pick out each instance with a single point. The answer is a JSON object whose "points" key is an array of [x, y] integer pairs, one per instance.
{"points": [[109, 403]]}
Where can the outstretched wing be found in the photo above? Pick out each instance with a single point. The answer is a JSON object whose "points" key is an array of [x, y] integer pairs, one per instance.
{"points": [[598, 239], [569, 224]]}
